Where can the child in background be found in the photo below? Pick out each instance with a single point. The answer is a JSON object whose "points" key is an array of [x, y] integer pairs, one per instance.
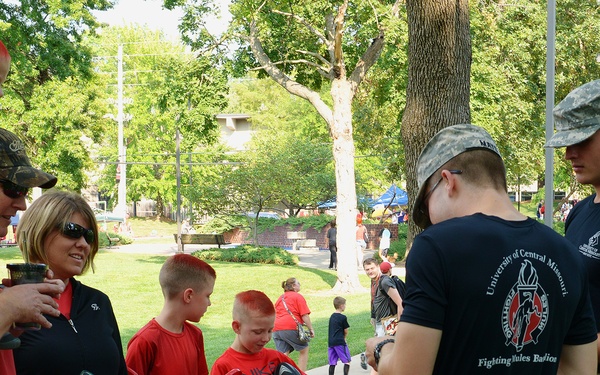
{"points": [[253, 321], [338, 331], [169, 344]]}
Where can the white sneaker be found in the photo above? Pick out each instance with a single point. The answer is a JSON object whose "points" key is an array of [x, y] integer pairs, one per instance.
{"points": [[363, 361]]}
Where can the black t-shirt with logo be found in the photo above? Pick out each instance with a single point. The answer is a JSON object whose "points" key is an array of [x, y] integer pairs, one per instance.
{"points": [[582, 227], [505, 294]]}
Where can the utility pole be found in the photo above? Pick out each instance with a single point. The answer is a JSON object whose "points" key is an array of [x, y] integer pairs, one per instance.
{"points": [[121, 207], [178, 177]]}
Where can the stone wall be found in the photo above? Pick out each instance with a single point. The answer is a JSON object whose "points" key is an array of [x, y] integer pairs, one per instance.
{"points": [[278, 237]]}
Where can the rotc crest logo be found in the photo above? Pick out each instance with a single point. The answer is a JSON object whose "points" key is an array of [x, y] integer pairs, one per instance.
{"points": [[525, 310]]}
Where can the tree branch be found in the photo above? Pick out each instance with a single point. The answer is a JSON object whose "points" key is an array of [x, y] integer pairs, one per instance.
{"points": [[323, 71], [285, 81], [329, 27], [338, 57], [305, 23], [371, 54], [317, 56]]}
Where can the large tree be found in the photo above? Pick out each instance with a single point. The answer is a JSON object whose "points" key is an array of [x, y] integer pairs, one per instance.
{"points": [[439, 65], [302, 44]]}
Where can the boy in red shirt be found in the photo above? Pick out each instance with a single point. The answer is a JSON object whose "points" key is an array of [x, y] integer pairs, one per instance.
{"points": [[253, 321], [169, 344]]}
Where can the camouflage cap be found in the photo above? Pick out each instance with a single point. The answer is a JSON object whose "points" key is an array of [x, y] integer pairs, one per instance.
{"points": [[445, 145], [15, 165], [577, 116]]}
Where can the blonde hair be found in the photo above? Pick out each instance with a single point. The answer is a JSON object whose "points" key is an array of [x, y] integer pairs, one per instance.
{"points": [[49, 213]]}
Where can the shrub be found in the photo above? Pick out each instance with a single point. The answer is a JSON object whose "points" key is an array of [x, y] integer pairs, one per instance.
{"points": [[398, 247], [103, 239], [249, 254], [223, 224]]}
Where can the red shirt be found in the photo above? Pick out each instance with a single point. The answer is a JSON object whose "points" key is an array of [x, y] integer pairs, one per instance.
{"points": [[264, 362], [297, 305], [7, 363], [155, 351]]}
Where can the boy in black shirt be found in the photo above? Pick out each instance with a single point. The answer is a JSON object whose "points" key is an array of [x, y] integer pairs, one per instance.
{"points": [[336, 340]]}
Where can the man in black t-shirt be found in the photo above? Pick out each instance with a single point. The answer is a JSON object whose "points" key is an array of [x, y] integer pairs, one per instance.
{"points": [[488, 290], [577, 121]]}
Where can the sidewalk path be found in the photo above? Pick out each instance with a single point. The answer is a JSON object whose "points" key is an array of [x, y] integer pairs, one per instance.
{"points": [[307, 258]]}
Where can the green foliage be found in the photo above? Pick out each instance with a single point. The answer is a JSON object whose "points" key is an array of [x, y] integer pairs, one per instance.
{"points": [[508, 76], [103, 239], [53, 100], [45, 41], [221, 224], [288, 162], [398, 247], [225, 223], [249, 254], [317, 222], [170, 89]]}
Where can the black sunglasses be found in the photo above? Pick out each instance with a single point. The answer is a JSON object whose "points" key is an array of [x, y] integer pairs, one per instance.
{"points": [[428, 194], [12, 190], [76, 231]]}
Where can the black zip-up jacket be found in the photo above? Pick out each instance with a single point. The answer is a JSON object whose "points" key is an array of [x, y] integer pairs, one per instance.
{"points": [[90, 340]]}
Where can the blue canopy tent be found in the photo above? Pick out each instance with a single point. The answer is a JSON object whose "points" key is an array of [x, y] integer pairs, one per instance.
{"points": [[394, 196]]}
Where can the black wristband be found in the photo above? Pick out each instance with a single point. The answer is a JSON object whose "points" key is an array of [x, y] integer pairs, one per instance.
{"points": [[377, 351]]}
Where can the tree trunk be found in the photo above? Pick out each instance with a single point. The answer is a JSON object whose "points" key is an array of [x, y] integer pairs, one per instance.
{"points": [[160, 206], [439, 67], [343, 155]]}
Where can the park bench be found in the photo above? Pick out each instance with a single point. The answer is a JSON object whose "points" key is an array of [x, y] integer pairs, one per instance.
{"points": [[307, 244], [201, 239], [295, 237], [112, 240]]}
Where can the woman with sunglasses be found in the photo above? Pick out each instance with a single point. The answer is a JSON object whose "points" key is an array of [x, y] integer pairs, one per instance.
{"points": [[60, 230]]}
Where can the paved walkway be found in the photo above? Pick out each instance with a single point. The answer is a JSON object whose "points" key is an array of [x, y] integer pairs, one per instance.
{"points": [[307, 258]]}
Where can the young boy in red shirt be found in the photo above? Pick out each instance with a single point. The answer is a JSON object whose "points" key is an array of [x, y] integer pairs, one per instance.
{"points": [[253, 321], [169, 344]]}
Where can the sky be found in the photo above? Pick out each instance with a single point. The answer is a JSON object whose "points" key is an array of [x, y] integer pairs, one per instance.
{"points": [[152, 14]]}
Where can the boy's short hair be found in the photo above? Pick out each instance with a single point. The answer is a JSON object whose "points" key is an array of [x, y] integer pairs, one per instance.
{"points": [[338, 302], [252, 301], [182, 271]]}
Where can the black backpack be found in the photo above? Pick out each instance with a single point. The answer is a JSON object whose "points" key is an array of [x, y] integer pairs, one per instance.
{"points": [[400, 285]]}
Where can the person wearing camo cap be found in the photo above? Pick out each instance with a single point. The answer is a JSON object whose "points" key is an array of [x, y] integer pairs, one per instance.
{"points": [[577, 122], [21, 303], [488, 290]]}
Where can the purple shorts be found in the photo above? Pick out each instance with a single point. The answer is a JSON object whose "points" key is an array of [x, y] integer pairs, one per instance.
{"points": [[339, 352]]}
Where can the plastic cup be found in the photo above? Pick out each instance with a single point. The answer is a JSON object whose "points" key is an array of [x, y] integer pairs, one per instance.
{"points": [[27, 273]]}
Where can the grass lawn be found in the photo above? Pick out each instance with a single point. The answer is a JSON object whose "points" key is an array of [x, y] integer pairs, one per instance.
{"points": [[131, 282]]}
